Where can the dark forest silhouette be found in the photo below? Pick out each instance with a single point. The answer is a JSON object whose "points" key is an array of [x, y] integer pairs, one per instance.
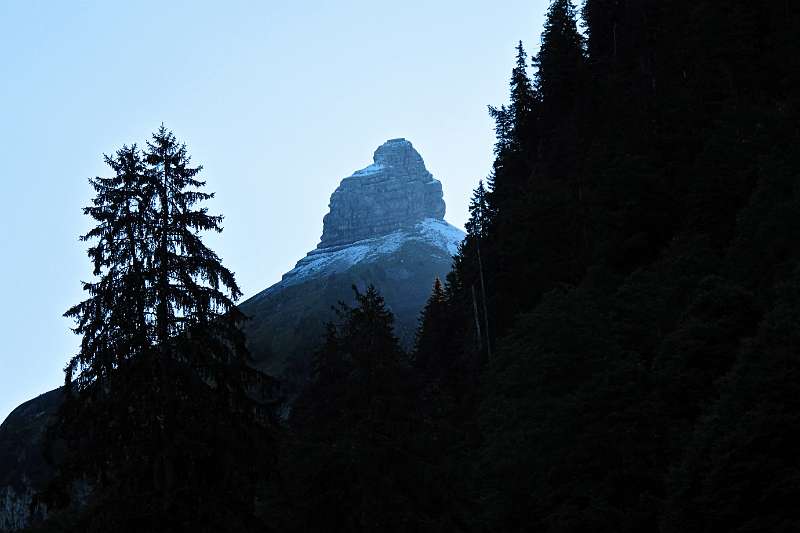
{"points": [[615, 349]]}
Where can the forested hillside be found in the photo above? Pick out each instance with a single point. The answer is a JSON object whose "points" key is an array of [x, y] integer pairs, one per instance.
{"points": [[638, 246], [616, 346]]}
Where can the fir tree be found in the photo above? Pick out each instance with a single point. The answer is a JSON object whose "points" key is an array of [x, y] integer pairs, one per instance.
{"points": [[190, 286], [502, 129], [523, 101], [477, 228], [514, 130], [559, 61], [112, 320], [480, 214], [163, 414], [432, 338]]}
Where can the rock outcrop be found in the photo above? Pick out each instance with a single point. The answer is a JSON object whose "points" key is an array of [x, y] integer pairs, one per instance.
{"points": [[394, 192], [385, 227]]}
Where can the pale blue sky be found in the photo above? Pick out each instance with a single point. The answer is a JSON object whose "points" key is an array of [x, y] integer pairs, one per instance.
{"points": [[278, 100]]}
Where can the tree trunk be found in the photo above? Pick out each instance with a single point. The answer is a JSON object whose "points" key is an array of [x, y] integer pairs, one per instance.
{"points": [[477, 318], [483, 300]]}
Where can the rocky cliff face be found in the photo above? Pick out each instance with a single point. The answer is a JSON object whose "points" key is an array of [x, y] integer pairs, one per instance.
{"points": [[394, 192]]}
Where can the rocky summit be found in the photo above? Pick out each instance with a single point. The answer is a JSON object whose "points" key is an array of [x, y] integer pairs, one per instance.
{"points": [[394, 192], [385, 227], [376, 210]]}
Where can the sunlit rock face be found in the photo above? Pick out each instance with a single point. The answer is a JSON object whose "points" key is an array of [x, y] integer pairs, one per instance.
{"points": [[394, 192]]}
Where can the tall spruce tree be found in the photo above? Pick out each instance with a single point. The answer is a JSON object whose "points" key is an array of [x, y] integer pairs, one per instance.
{"points": [[559, 62], [359, 365], [190, 286], [480, 213], [478, 227], [112, 320], [162, 427], [516, 126], [432, 338]]}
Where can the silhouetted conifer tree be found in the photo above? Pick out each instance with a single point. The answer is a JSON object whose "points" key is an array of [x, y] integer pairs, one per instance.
{"points": [[112, 321], [559, 62], [191, 288], [163, 428], [432, 337]]}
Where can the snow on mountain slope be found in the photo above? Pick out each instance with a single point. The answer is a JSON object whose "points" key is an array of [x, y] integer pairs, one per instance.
{"points": [[325, 261], [385, 227]]}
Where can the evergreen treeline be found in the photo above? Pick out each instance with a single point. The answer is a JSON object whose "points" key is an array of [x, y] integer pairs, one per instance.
{"points": [[616, 348]]}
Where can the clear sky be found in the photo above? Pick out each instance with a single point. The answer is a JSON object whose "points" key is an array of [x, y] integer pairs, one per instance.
{"points": [[278, 100]]}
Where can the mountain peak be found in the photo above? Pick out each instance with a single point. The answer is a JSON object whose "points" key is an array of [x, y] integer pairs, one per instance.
{"points": [[399, 154], [394, 192]]}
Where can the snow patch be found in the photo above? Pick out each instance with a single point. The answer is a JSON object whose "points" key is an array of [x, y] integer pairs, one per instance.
{"points": [[374, 168], [441, 234], [323, 262]]}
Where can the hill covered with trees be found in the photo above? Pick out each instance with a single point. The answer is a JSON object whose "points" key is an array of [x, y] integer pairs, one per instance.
{"points": [[615, 347]]}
